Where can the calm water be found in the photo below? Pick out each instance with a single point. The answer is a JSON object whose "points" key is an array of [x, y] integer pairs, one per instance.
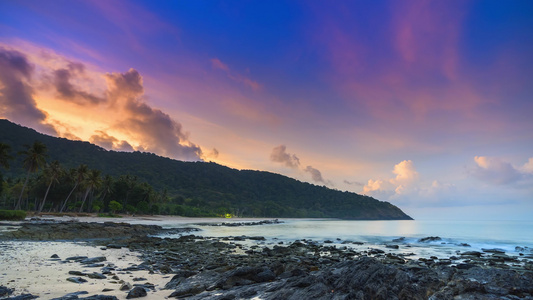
{"points": [[505, 235]]}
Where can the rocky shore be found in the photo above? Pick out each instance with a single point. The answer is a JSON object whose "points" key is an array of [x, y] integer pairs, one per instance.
{"points": [[241, 267]]}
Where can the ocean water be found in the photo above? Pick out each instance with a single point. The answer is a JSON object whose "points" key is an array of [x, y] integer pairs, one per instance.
{"points": [[478, 235]]}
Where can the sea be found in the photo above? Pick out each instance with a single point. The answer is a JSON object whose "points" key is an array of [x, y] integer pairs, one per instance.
{"points": [[450, 238]]}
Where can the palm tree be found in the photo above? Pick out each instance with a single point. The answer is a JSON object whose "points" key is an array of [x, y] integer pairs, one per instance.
{"points": [[35, 157], [107, 186], [52, 172], [4, 155], [92, 181], [78, 175]]}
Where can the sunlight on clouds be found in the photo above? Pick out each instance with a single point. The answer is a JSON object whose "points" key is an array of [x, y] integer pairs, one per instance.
{"points": [[115, 115]]}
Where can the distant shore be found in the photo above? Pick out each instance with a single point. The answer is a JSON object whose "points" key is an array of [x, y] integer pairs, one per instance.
{"points": [[114, 260]]}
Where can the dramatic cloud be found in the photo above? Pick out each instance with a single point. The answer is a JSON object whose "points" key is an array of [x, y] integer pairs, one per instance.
{"points": [[67, 91], [114, 101], [16, 93], [109, 142], [156, 130], [496, 171], [279, 154]]}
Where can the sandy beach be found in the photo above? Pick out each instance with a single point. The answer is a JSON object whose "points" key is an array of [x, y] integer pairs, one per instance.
{"points": [[27, 267]]}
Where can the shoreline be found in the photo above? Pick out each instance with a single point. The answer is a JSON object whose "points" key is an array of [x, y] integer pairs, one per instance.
{"points": [[248, 267]]}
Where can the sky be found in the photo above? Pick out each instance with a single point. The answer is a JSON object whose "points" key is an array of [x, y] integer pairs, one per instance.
{"points": [[425, 104]]}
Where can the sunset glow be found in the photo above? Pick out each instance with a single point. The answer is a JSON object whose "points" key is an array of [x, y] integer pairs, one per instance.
{"points": [[425, 104]]}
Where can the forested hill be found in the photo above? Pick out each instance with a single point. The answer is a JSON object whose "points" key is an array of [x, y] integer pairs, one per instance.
{"points": [[205, 185]]}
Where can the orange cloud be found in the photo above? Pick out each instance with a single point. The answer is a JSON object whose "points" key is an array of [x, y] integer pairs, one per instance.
{"points": [[119, 118]]}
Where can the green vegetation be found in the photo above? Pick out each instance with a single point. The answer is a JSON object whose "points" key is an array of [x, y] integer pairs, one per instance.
{"points": [[89, 178], [12, 215]]}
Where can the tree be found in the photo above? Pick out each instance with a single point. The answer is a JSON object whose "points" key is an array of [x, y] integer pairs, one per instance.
{"points": [[4, 161], [92, 181], [115, 206], [78, 175], [35, 157], [4, 155], [52, 172]]}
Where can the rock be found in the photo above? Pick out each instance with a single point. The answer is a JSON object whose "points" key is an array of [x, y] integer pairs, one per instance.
{"points": [[328, 241], [22, 297], [136, 292], [100, 297], [375, 251], [264, 276], [77, 273], [4, 291], [95, 275], [472, 253], [398, 240], [392, 246], [93, 260], [126, 286], [493, 250], [78, 280], [464, 245], [76, 258], [429, 239], [465, 266], [54, 256], [188, 288], [70, 296], [139, 279]]}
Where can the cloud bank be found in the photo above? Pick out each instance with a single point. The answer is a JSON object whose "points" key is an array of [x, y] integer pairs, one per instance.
{"points": [[129, 121]]}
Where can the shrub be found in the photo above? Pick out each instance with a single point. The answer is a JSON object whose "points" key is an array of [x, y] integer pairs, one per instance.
{"points": [[12, 215]]}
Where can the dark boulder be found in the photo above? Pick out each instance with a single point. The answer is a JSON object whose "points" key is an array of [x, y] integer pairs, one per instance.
{"points": [[136, 292]]}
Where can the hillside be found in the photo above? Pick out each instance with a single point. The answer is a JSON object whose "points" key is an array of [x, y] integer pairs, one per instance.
{"points": [[209, 185]]}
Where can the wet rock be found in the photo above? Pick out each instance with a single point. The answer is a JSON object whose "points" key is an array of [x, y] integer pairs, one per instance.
{"points": [[136, 292], [429, 239], [54, 256], [471, 253], [493, 250], [78, 280], [83, 230], [375, 251], [392, 246], [398, 240]]}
